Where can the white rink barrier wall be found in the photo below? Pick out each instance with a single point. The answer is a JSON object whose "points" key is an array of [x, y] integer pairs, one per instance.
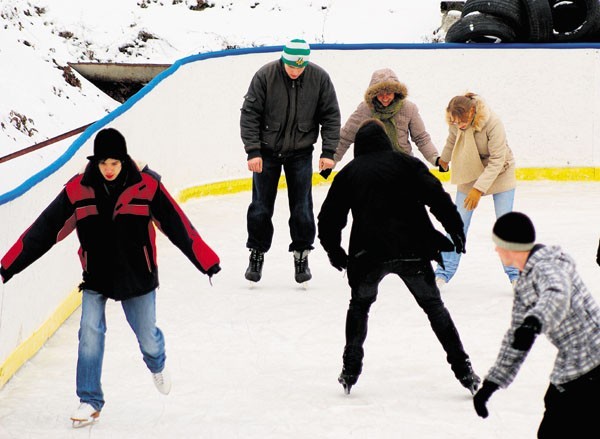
{"points": [[185, 125]]}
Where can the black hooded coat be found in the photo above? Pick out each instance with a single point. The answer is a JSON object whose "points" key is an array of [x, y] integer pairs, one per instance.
{"points": [[387, 192]]}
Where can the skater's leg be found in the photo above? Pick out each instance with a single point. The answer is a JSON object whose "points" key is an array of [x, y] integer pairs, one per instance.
{"points": [[298, 176], [452, 259], [420, 280], [141, 316], [503, 203], [92, 331], [260, 212], [363, 296]]}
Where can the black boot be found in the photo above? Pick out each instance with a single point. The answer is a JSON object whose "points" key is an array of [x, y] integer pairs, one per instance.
{"points": [[467, 377], [302, 272], [347, 380], [254, 270], [353, 356]]}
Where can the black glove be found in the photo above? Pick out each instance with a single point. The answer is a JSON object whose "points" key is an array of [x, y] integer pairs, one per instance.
{"points": [[598, 255], [338, 259], [325, 173], [440, 168], [5, 276], [526, 333], [481, 397], [459, 241], [213, 270]]}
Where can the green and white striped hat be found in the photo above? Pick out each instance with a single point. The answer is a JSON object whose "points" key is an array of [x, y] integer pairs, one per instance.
{"points": [[296, 53]]}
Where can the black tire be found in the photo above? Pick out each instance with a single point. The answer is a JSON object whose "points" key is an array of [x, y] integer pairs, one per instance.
{"points": [[538, 15], [509, 10], [480, 28], [575, 20]]}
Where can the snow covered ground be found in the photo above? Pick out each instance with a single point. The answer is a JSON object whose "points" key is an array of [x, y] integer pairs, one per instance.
{"points": [[262, 362], [40, 37]]}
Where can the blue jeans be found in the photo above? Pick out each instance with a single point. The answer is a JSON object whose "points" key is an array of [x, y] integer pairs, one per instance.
{"points": [[503, 203], [141, 315], [298, 175]]}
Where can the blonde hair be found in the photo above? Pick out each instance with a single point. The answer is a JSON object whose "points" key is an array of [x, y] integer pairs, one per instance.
{"points": [[459, 106]]}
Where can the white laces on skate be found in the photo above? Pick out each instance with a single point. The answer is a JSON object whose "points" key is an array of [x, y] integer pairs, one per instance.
{"points": [[162, 381]]}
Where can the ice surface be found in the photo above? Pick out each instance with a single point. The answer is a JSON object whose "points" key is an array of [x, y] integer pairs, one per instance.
{"points": [[263, 362]]}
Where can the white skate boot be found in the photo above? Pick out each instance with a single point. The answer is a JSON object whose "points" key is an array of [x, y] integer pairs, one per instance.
{"points": [[162, 381], [84, 415]]}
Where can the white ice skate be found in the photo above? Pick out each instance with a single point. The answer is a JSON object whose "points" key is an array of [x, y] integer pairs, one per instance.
{"points": [[84, 415], [162, 381]]}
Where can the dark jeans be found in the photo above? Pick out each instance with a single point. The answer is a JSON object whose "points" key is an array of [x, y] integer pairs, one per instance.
{"points": [[572, 409], [418, 276], [298, 176]]}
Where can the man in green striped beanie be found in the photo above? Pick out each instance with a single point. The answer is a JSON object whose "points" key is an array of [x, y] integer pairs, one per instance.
{"points": [[288, 104], [296, 53]]}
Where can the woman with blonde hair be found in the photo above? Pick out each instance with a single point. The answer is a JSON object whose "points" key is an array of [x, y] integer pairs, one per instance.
{"points": [[482, 164]]}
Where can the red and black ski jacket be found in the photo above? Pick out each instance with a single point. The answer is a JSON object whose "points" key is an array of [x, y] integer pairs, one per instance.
{"points": [[118, 250]]}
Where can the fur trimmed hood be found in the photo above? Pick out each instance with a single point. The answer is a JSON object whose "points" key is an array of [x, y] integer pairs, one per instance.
{"points": [[384, 80], [482, 114]]}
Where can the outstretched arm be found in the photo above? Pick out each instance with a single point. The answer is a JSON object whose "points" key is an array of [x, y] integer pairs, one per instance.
{"points": [[173, 222], [53, 225]]}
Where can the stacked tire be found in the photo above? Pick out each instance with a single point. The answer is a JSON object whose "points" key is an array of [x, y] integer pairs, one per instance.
{"points": [[535, 21]]}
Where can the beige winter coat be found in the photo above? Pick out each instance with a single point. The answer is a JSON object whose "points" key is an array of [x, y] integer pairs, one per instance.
{"points": [[480, 155], [408, 119]]}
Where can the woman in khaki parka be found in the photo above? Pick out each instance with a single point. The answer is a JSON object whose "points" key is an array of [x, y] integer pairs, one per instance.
{"points": [[482, 164]]}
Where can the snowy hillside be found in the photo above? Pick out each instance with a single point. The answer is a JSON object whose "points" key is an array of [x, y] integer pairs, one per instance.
{"points": [[43, 97]]}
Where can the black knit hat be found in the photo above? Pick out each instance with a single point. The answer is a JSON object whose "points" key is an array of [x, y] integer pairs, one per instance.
{"points": [[109, 144], [514, 231]]}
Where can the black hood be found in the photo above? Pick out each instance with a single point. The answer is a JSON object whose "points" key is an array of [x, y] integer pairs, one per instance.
{"points": [[371, 137]]}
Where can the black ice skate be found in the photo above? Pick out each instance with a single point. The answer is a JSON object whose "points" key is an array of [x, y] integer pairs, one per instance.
{"points": [[347, 381], [255, 266], [302, 272], [469, 379]]}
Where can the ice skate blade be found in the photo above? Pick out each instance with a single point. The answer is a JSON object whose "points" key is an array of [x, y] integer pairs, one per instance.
{"points": [[80, 423], [346, 387]]}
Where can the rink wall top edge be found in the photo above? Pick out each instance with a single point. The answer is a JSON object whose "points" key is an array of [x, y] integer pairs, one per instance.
{"points": [[76, 145]]}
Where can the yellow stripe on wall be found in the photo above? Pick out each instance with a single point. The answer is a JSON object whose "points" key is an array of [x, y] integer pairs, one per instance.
{"points": [[554, 174], [33, 344], [524, 174]]}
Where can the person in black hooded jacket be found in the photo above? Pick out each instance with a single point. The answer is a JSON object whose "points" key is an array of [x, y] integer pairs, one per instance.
{"points": [[387, 192]]}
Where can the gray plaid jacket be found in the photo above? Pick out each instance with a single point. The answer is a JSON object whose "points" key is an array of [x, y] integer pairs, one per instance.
{"points": [[550, 289]]}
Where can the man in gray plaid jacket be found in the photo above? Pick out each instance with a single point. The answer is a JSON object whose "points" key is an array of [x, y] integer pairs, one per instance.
{"points": [[549, 297]]}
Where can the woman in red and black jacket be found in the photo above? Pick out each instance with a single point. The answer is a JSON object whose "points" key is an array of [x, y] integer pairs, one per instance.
{"points": [[114, 206]]}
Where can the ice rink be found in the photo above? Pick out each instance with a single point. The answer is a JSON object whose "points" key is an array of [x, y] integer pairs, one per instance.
{"points": [[263, 362]]}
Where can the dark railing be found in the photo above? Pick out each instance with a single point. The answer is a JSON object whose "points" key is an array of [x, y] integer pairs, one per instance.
{"points": [[37, 146]]}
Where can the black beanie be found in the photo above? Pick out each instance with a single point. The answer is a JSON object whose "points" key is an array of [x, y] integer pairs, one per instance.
{"points": [[371, 137], [109, 144], [514, 231]]}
